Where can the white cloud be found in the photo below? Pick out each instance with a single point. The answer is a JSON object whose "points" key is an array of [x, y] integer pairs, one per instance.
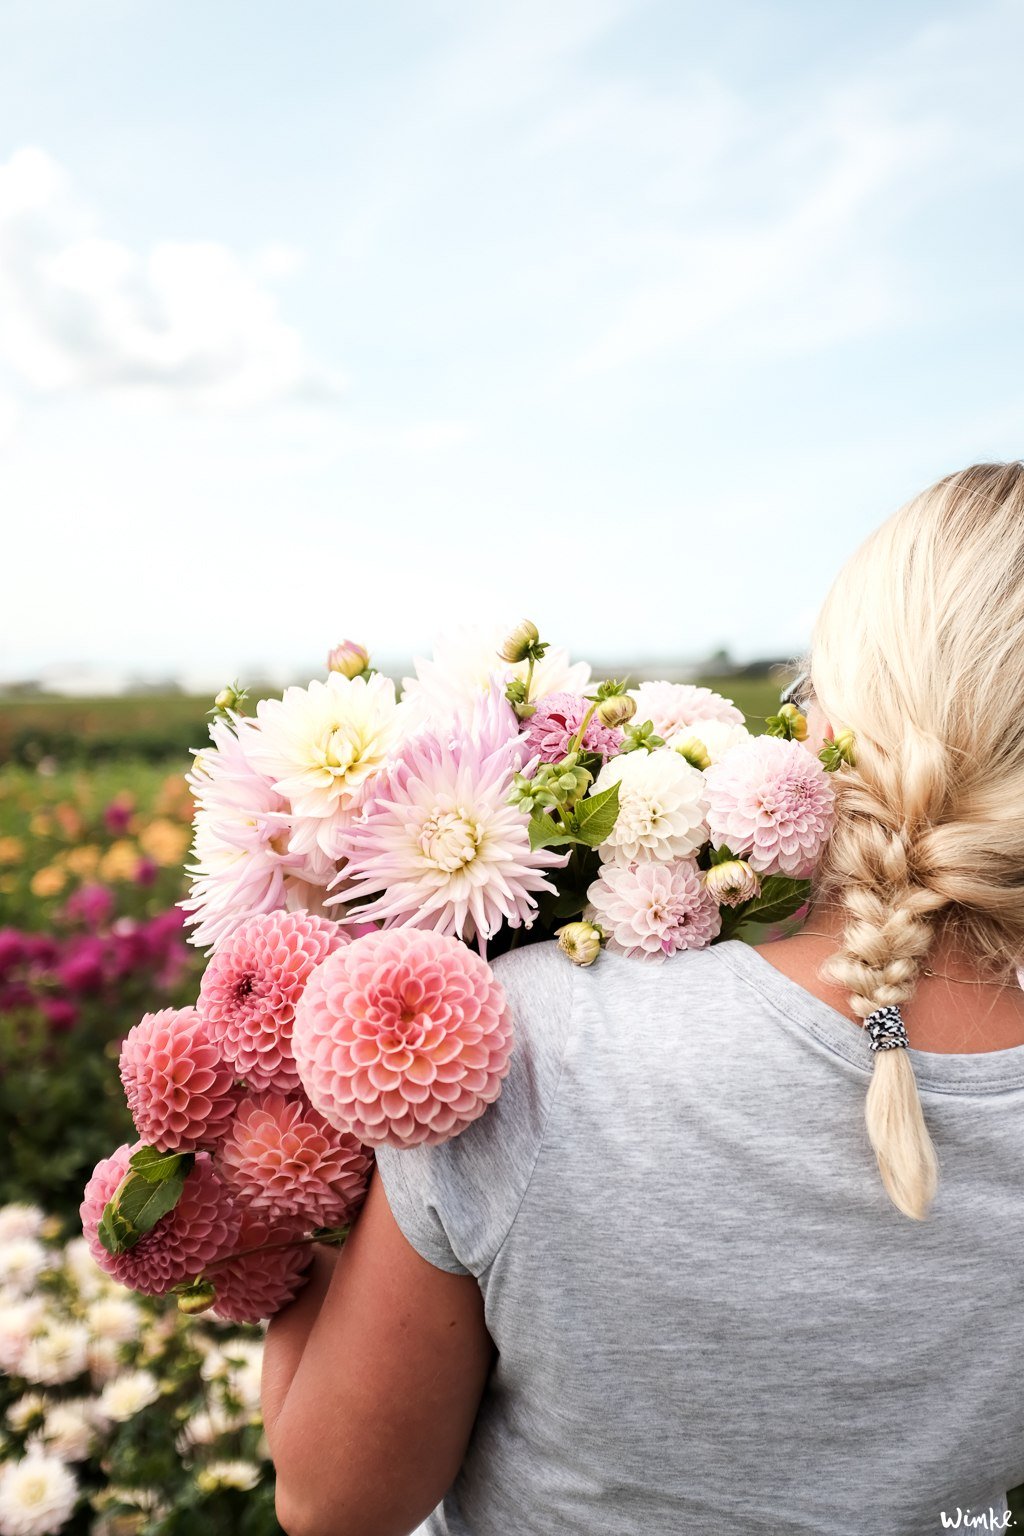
{"points": [[185, 321]]}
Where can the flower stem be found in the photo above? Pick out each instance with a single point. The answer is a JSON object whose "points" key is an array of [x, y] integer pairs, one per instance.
{"points": [[574, 744], [291, 1242]]}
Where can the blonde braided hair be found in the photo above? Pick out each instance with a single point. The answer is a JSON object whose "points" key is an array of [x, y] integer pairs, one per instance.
{"points": [[919, 650]]}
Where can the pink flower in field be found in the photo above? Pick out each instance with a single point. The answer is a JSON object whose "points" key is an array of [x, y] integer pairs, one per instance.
{"points": [[555, 722], [438, 846], [251, 986], [283, 1158], [402, 1037], [650, 910], [90, 905], [770, 802], [117, 817], [203, 1226], [254, 1288], [671, 706], [180, 1090]]}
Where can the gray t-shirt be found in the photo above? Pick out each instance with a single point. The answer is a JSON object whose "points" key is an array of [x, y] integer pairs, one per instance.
{"points": [[709, 1315]]}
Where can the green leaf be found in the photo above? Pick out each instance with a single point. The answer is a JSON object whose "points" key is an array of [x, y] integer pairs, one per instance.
{"points": [[114, 1232], [721, 855], [780, 897], [545, 832], [597, 814], [156, 1166], [135, 1207]]}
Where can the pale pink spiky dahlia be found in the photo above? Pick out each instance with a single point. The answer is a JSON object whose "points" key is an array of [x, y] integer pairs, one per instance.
{"points": [[252, 1288], [402, 1037], [770, 802], [180, 1090], [250, 988], [438, 845], [555, 722], [650, 910], [203, 1226], [283, 1158], [671, 706]]}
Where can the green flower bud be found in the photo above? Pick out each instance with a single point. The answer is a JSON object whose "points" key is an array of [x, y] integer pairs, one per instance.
{"points": [[348, 658], [520, 642], [789, 723], [839, 751], [695, 752], [581, 942], [197, 1297], [231, 697], [616, 710]]}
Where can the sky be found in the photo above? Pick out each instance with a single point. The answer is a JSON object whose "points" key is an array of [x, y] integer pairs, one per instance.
{"points": [[632, 317]]}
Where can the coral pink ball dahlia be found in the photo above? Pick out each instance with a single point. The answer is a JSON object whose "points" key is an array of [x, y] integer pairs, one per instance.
{"points": [[203, 1226], [179, 1088], [555, 722], [283, 1158], [252, 1288], [402, 1037], [771, 802], [650, 910], [251, 986]]}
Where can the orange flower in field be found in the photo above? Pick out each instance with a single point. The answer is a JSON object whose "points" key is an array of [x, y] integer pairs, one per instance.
{"points": [[83, 861], [69, 819], [12, 850], [48, 881], [166, 842]]}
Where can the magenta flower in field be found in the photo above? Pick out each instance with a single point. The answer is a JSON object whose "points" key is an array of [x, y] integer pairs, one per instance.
{"points": [[251, 986], [283, 1158], [650, 909], [555, 722], [180, 1090], [402, 1037], [770, 802]]}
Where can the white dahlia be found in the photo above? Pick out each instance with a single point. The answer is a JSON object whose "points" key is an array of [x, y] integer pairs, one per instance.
{"points": [[69, 1429], [715, 736], [22, 1261], [321, 745], [126, 1395], [59, 1354], [672, 706], [20, 1219], [20, 1318], [114, 1317], [37, 1495], [661, 806], [448, 685]]}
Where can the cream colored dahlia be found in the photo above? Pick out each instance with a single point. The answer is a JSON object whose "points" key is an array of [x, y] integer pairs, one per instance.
{"points": [[661, 806]]}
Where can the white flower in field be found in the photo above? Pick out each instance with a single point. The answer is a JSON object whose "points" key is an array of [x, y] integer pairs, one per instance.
{"points": [[69, 1428], [114, 1317], [207, 1426], [228, 1474], [20, 1220], [105, 1360], [447, 687], [715, 736], [59, 1354], [37, 1495], [85, 1274], [22, 1261], [214, 1367], [28, 1409], [20, 1318], [126, 1395], [661, 806], [246, 1360]]}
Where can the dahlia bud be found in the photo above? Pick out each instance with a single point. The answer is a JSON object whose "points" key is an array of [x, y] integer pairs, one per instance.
{"points": [[348, 658], [732, 883], [789, 724], [581, 942], [695, 752], [840, 750], [616, 710], [231, 697], [520, 642], [198, 1297]]}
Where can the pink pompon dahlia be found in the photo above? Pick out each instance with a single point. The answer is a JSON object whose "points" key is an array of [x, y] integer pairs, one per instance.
{"points": [[650, 910], [283, 1158], [180, 1090], [770, 802], [203, 1226], [402, 1037], [249, 990], [555, 722], [252, 1288], [671, 706]]}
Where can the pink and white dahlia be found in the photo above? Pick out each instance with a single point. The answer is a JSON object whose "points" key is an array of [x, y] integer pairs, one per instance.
{"points": [[770, 802], [438, 845], [717, 737], [249, 990], [243, 857], [447, 686], [403, 1037], [203, 1226], [555, 722], [283, 1158], [671, 706], [320, 746], [650, 910], [180, 1090], [38, 1494], [661, 806], [252, 1288]]}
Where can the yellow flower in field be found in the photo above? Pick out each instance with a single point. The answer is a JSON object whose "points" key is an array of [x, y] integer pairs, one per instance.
{"points": [[166, 842], [41, 824], [48, 881], [12, 850], [120, 861], [83, 861]]}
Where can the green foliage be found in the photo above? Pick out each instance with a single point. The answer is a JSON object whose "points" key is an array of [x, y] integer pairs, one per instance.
{"points": [[596, 815], [151, 1189]]}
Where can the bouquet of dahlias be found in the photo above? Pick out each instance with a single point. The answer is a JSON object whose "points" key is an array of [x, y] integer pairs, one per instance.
{"points": [[357, 855]]}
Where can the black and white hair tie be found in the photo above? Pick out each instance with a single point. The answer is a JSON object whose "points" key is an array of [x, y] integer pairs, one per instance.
{"points": [[886, 1028]]}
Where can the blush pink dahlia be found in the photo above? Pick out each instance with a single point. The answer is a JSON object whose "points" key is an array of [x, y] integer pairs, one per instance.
{"points": [[770, 802], [650, 910], [250, 1289], [438, 845], [671, 706], [555, 722], [448, 687], [203, 1226], [283, 1158], [402, 1037], [180, 1090], [250, 988]]}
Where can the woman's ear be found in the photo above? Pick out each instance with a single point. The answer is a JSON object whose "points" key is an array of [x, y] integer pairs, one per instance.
{"points": [[819, 728]]}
